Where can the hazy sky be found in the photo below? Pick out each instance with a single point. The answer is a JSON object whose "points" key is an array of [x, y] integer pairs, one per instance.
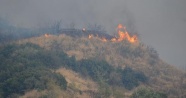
{"points": [[160, 23]]}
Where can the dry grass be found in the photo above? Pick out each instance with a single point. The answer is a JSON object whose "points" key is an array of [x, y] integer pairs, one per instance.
{"points": [[78, 87], [32, 94], [74, 79], [81, 87], [163, 76]]}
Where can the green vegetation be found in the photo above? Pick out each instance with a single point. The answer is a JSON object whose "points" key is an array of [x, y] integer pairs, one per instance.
{"points": [[97, 70], [28, 66], [101, 72], [147, 93], [132, 78]]}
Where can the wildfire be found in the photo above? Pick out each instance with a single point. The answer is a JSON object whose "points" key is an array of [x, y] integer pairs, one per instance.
{"points": [[122, 35], [90, 36], [47, 35], [104, 39]]}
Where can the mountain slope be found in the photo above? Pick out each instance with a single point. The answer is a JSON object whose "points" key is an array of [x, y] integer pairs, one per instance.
{"points": [[84, 66], [162, 76]]}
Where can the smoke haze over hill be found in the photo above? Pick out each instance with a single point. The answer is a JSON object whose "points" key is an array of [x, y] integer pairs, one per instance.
{"points": [[160, 24]]}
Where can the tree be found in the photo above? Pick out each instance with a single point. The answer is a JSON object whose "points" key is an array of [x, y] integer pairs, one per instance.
{"points": [[147, 93], [26, 67], [131, 78]]}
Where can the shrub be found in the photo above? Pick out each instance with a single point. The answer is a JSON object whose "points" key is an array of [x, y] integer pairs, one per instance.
{"points": [[26, 67], [147, 93], [131, 78]]}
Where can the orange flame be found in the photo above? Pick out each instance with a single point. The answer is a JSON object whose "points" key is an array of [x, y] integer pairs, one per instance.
{"points": [[120, 26], [46, 35], [104, 39], [113, 39], [90, 36], [122, 35]]}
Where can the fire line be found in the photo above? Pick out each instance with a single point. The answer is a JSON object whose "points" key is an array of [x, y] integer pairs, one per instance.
{"points": [[122, 35]]}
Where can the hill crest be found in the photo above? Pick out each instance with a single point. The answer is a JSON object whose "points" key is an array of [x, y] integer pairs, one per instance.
{"points": [[163, 77]]}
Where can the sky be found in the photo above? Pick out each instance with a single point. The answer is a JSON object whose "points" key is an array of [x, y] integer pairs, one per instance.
{"points": [[160, 23]]}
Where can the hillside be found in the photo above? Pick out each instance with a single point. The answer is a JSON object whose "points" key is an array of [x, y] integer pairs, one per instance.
{"points": [[161, 76], [86, 66]]}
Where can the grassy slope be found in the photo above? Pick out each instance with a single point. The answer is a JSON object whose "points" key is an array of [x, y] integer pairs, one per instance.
{"points": [[77, 86], [163, 77]]}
